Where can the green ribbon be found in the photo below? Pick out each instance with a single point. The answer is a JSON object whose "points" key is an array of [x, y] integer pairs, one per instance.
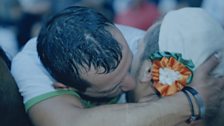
{"points": [[178, 56]]}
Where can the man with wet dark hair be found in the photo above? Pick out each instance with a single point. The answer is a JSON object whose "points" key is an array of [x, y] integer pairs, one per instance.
{"points": [[79, 42]]}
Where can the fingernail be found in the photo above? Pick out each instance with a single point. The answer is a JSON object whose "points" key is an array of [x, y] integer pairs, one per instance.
{"points": [[218, 55]]}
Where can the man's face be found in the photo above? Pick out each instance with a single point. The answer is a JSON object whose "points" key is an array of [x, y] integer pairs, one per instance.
{"points": [[116, 82]]}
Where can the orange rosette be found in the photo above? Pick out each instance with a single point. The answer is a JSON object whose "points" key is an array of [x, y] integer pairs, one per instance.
{"points": [[170, 73]]}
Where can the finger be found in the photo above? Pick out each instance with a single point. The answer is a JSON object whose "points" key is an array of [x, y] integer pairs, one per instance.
{"points": [[210, 63], [222, 97], [221, 82]]}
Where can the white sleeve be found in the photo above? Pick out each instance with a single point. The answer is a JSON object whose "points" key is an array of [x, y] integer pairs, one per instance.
{"points": [[31, 77], [132, 36]]}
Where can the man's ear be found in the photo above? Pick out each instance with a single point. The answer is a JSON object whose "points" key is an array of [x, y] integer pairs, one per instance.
{"points": [[145, 72]]}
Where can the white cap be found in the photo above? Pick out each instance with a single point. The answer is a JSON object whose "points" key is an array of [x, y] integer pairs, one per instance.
{"points": [[192, 32]]}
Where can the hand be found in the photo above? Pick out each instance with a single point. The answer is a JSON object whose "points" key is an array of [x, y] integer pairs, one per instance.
{"points": [[144, 92], [209, 87]]}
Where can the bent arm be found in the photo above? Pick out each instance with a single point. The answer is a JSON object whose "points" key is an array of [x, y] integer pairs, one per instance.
{"points": [[62, 111]]}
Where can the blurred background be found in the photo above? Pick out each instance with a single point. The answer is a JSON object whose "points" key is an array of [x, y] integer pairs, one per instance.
{"points": [[21, 20]]}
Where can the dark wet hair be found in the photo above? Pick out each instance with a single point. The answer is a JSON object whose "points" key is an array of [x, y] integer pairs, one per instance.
{"points": [[73, 41]]}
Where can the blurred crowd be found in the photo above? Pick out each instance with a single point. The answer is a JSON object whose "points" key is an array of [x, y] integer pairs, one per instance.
{"points": [[21, 20]]}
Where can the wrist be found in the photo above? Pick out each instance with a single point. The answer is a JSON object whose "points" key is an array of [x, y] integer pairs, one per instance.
{"points": [[193, 107], [181, 104], [173, 109], [196, 104]]}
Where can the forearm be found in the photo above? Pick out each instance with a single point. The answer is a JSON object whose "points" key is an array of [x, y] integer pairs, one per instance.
{"points": [[165, 112]]}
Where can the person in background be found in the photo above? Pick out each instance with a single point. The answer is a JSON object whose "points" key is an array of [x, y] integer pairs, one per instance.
{"points": [[140, 14], [10, 14], [30, 23]]}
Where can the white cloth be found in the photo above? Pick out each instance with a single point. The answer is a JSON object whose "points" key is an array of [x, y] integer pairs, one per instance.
{"points": [[132, 36], [215, 8], [192, 32], [32, 78]]}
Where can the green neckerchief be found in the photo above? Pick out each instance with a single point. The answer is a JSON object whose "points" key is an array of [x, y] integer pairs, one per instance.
{"points": [[89, 104]]}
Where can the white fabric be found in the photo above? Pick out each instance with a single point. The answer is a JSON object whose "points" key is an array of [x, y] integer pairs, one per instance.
{"points": [[215, 8], [192, 32], [32, 78], [132, 36]]}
